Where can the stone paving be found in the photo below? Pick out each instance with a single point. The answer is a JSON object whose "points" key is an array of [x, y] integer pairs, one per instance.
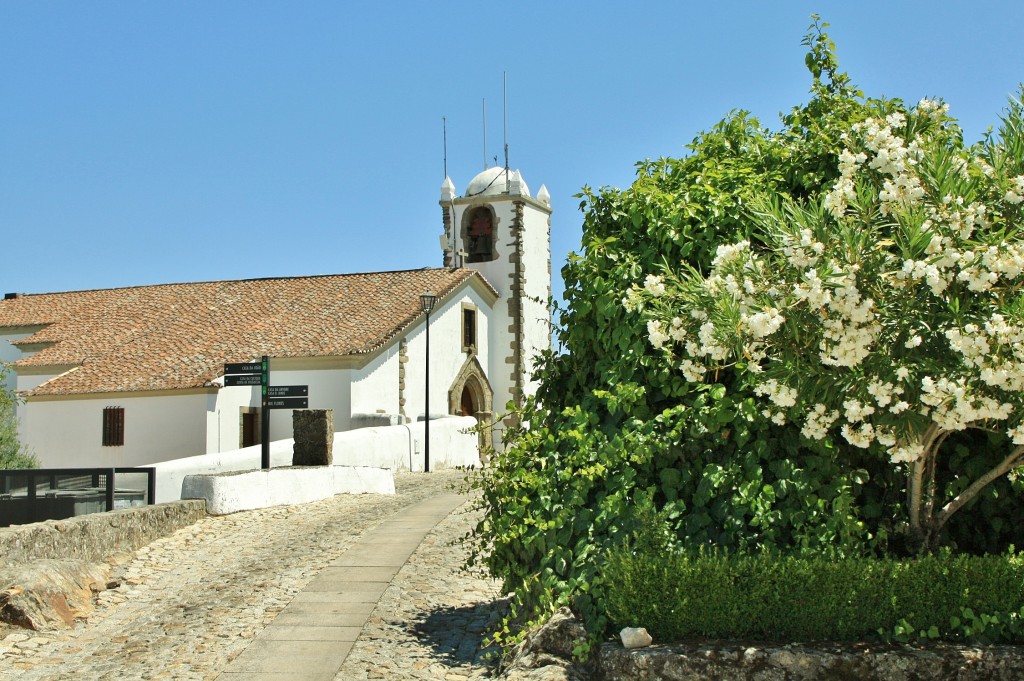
{"points": [[191, 603]]}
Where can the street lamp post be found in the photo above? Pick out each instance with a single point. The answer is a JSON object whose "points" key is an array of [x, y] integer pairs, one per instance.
{"points": [[427, 301]]}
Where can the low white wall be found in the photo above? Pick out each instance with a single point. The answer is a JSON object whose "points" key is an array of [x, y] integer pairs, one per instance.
{"points": [[171, 474], [231, 493], [399, 448], [452, 443]]}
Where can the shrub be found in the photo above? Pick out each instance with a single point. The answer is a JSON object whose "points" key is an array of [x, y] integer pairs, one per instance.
{"points": [[711, 594], [615, 420]]}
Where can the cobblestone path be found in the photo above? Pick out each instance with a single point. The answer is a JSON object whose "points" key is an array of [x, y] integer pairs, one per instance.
{"points": [[190, 603]]}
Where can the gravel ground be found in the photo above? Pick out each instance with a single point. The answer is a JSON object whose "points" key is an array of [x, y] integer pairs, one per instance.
{"points": [[189, 603]]}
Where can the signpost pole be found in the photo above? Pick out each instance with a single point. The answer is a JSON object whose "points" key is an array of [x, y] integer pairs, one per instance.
{"points": [[265, 414]]}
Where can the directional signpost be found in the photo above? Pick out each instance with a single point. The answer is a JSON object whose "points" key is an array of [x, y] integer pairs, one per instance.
{"points": [[272, 397], [288, 396]]}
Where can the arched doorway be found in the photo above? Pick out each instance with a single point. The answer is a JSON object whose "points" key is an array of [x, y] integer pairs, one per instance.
{"points": [[467, 407], [471, 395]]}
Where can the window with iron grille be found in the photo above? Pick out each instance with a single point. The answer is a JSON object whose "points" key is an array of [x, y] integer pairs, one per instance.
{"points": [[113, 426]]}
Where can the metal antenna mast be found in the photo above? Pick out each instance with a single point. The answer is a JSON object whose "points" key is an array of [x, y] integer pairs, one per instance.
{"points": [[444, 127], [484, 114], [504, 123]]}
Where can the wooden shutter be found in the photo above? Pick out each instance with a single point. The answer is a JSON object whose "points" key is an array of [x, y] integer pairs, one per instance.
{"points": [[113, 426]]}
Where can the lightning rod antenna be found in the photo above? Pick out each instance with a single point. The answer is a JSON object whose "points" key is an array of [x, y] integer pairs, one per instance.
{"points": [[444, 128], [483, 113], [504, 124]]}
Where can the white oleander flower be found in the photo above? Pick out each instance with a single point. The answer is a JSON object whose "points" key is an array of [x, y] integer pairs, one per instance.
{"points": [[655, 285]]}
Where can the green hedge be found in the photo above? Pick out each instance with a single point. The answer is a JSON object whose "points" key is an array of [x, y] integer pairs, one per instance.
{"points": [[814, 598]]}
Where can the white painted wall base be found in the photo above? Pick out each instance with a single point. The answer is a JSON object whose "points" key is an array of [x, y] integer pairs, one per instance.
{"points": [[400, 448], [233, 492]]}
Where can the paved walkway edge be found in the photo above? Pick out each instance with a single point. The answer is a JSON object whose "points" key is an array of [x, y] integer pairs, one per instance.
{"points": [[312, 635]]}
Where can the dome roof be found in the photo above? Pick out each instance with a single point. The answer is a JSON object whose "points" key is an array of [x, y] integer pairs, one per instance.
{"points": [[491, 182]]}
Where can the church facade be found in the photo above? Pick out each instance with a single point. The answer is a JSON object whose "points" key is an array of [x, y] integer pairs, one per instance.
{"points": [[132, 376]]}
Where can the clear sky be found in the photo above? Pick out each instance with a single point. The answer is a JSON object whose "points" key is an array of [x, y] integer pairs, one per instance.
{"points": [[158, 142]]}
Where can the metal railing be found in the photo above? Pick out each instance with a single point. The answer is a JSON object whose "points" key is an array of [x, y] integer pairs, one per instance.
{"points": [[30, 495]]}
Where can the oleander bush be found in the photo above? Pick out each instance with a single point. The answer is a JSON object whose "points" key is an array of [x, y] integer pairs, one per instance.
{"points": [[807, 341]]}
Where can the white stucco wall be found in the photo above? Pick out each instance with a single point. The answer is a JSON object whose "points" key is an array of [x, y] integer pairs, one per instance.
{"points": [[397, 448], [223, 417], [375, 386], [283, 486], [328, 389], [446, 355], [537, 272], [69, 433], [8, 354]]}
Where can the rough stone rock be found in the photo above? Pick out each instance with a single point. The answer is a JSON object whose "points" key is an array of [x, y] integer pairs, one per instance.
{"points": [[313, 430], [50, 593], [635, 637], [547, 652]]}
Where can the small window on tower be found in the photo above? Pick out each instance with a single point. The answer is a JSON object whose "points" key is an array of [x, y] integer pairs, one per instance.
{"points": [[113, 426], [468, 329]]}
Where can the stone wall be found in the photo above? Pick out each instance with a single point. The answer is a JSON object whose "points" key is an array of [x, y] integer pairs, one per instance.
{"points": [[546, 655], [97, 536]]}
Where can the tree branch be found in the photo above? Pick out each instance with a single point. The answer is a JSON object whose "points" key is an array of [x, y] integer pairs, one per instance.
{"points": [[975, 487]]}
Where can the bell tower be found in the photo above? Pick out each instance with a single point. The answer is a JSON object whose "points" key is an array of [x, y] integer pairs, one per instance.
{"points": [[500, 230]]}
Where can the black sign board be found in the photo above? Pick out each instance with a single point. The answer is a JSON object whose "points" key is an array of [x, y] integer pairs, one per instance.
{"points": [[243, 379], [243, 368], [288, 403], [287, 390]]}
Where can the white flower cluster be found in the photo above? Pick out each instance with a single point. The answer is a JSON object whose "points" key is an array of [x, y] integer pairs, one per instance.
{"points": [[906, 453], [656, 334], [779, 393], [1015, 194], [980, 270], [708, 346], [692, 372], [862, 436], [933, 108], [884, 392], [803, 252], [654, 285], [802, 305], [763, 324], [996, 348], [844, 189], [812, 290], [727, 253], [850, 326], [855, 410], [954, 406], [633, 300], [817, 422], [891, 156]]}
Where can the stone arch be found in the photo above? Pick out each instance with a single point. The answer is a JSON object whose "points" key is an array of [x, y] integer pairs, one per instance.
{"points": [[479, 234], [471, 395]]}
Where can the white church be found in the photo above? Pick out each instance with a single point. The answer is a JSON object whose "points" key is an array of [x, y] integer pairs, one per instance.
{"points": [[133, 376]]}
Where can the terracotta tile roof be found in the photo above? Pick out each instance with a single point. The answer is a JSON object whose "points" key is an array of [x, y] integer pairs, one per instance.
{"points": [[179, 335]]}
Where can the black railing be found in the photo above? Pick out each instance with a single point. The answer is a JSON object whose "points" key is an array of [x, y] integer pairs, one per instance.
{"points": [[29, 495]]}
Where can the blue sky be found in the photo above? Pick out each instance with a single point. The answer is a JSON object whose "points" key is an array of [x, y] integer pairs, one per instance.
{"points": [[145, 142]]}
